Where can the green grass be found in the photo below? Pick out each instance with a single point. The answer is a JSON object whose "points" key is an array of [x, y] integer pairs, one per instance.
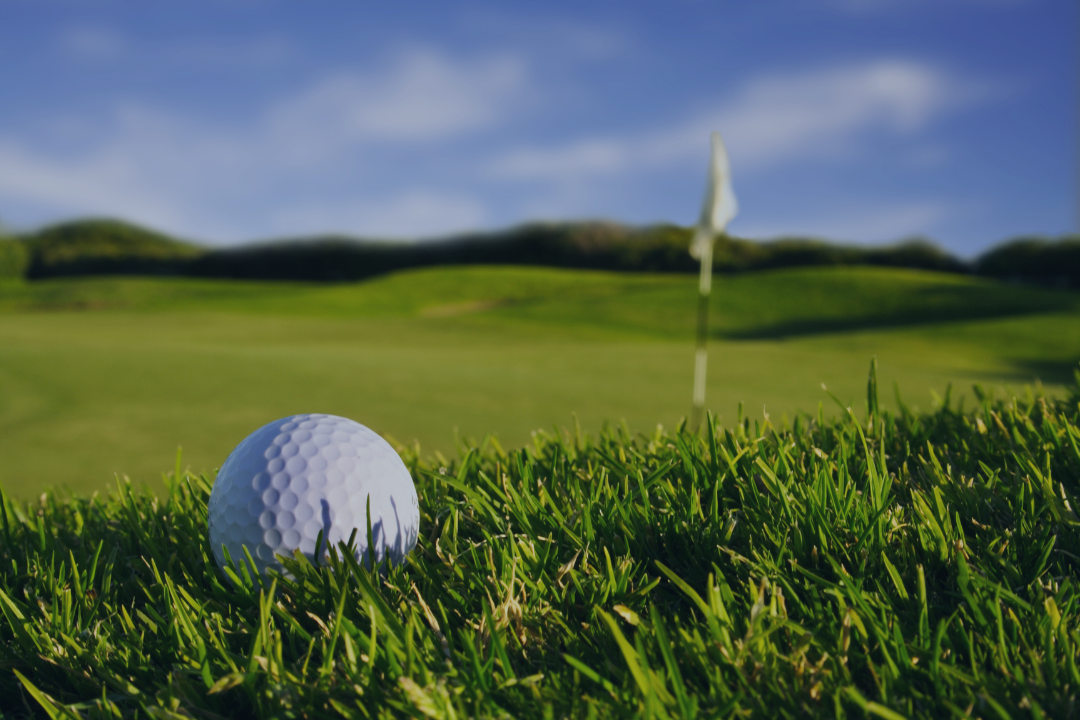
{"points": [[764, 304], [874, 564], [108, 375]]}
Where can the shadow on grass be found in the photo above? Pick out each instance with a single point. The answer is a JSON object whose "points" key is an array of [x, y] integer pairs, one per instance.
{"points": [[1051, 372], [1019, 374], [928, 307]]}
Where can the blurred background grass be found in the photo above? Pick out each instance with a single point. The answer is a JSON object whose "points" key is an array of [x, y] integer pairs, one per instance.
{"points": [[100, 376]]}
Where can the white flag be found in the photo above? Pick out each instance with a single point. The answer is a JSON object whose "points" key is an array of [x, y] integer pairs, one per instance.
{"points": [[720, 205]]}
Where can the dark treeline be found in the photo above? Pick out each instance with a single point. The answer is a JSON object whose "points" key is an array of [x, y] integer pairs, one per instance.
{"points": [[1037, 260], [110, 247]]}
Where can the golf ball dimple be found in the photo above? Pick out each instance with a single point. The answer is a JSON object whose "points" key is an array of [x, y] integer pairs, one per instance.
{"points": [[306, 474]]}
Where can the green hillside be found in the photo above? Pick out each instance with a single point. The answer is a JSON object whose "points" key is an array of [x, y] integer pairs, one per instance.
{"points": [[106, 375], [14, 257], [96, 247], [778, 303], [112, 247]]}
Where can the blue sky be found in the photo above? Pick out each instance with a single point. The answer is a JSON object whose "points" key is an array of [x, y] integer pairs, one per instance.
{"points": [[858, 120]]}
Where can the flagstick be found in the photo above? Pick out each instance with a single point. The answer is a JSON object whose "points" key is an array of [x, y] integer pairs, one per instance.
{"points": [[701, 356], [718, 209]]}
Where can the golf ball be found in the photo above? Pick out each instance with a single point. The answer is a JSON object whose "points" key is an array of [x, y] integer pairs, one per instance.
{"points": [[303, 474]]}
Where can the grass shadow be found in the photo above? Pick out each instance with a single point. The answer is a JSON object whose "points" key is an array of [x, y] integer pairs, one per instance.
{"points": [[1051, 372], [928, 306]]}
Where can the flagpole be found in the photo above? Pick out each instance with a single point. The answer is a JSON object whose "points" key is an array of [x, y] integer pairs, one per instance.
{"points": [[702, 355], [718, 209]]}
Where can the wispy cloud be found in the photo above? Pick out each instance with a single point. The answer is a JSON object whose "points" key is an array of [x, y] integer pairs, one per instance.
{"points": [[335, 155], [101, 182], [771, 120], [330, 138], [826, 113], [423, 96], [775, 123]]}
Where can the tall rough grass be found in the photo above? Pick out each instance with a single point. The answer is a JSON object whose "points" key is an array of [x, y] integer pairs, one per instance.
{"points": [[878, 564]]}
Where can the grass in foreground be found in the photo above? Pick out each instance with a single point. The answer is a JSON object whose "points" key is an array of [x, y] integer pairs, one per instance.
{"points": [[892, 565]]}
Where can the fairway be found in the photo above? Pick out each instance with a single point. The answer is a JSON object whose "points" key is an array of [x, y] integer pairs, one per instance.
{"points": [[109, 375]]}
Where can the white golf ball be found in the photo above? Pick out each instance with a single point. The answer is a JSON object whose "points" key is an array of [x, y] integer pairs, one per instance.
{"points": [[303, 474]]}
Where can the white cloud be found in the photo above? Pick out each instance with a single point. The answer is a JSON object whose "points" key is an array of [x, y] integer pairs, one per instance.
{"points": [[773, 120], [302, 164], [778, 119], [424, 96], [200, 179], [102, 183]]}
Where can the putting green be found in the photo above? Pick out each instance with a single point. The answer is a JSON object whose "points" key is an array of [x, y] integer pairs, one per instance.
{"points": [[107, 376]]}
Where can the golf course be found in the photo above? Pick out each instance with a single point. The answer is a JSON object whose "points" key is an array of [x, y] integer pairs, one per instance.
{"points": [[876, 521], [102, 377], [437, 361]]}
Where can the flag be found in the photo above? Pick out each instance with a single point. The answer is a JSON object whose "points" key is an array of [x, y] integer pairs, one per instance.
{"points": [[720, 205]]}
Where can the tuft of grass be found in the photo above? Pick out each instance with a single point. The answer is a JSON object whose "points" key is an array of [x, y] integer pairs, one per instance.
{"points": [[888, 564]]}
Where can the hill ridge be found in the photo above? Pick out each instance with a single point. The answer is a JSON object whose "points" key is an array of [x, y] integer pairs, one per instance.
{"points": [[106, 246]]}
